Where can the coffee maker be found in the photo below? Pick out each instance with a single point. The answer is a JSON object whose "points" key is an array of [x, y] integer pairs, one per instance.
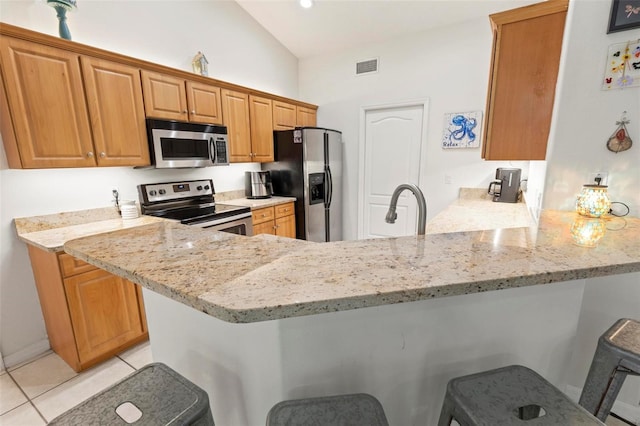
{"points": [[506, 187], [258, 184]]}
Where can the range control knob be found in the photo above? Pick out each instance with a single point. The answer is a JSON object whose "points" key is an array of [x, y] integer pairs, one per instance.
{"points": [[152, 192], [162, 192], [199, 188], [206, 187]]}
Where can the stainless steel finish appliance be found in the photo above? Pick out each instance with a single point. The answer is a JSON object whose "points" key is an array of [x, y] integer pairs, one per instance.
{"points": [[506, 187], [258, 184], [174, 144], [193, 203], [308, 166]]}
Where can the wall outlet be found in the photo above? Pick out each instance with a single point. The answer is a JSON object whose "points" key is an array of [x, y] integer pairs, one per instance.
{"points": [[604, 178]]}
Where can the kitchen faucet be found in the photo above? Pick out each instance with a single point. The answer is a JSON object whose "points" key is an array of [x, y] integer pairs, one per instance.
{"points": [[422, 206]]}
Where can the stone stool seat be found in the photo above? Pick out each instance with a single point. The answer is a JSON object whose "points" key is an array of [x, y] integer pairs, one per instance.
{"points": [[617, 355], [354, 410], [508, 396], [155, 395]]}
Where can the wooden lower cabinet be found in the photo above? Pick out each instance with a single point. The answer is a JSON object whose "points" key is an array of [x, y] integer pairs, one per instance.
{"points": [[90, 314], [277, 220]]}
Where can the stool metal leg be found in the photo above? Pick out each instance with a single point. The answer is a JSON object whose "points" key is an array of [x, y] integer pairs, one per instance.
{"points": [[602, 385], [446, 414]]}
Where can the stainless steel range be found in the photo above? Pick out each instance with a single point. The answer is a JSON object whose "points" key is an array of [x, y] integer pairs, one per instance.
{"points": [[193, 203]]}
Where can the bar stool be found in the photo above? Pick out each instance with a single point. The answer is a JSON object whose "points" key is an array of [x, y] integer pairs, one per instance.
{"points": [[508, 396], [359, 409], [155, 395], [617, 355]]}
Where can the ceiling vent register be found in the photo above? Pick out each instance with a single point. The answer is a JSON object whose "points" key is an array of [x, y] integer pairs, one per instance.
{"points": [[367, 67]]}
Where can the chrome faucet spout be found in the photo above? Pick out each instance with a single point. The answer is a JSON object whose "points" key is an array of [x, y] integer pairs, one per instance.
{"points": [[422, 206]]}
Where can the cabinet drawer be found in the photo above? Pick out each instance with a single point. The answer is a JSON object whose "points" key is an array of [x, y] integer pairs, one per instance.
{"points": [[71, 266], [262, 215], [284, 210]]}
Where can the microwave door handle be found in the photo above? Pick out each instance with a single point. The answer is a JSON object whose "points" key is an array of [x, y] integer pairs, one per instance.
{"points": [[212, 150]]}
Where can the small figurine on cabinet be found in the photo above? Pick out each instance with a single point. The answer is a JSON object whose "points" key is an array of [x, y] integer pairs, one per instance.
{"points": [[200, 64]]}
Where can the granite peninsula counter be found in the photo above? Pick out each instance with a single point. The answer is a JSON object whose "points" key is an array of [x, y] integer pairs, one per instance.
{"points": [[258, 320], [240, 279]]}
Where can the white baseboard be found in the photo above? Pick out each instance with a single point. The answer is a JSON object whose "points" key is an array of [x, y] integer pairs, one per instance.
{"points": [[623, 409], [30, 352]]}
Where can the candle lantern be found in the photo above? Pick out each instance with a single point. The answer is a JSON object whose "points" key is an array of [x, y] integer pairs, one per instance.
{"points": [[593, 201]]}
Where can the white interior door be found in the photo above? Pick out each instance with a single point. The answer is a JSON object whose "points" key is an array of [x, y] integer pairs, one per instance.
{"points": [[392, 154]]}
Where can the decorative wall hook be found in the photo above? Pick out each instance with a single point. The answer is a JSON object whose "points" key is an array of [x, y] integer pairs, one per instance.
{"points": [[620, 141]]}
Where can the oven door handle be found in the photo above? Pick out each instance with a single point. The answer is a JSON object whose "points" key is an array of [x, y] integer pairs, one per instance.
{"points": [[206, 223]]}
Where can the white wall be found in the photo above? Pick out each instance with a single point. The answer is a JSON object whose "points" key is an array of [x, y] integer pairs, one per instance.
{"points": [[584, 119], [449, 66], [169, 33]]}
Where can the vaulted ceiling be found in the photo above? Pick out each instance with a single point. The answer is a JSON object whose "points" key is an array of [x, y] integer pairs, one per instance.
{"points": [[333, 25]]}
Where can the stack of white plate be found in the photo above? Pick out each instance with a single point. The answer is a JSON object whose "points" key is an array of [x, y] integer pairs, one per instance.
{"points": [[129, 212]]}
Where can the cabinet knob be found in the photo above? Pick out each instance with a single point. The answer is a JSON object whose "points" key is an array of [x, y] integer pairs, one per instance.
{"points": [[102, 155], [90, 154], [184, 111], [193, 111], [264, 214]]}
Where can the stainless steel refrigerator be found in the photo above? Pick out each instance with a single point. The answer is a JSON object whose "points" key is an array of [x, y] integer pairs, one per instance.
{"points": [[308, 166]]}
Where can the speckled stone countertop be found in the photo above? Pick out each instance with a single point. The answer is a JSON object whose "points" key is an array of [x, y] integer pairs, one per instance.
{"points": [[259, 203], [50, 232], [474, 211], [240, 279]]}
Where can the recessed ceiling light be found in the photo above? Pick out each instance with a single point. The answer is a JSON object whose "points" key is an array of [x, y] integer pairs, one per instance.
{"points": [[306, 3]]}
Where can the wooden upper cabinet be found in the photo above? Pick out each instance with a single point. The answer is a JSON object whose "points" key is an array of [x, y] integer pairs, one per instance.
{"points": [[116, 108], [284, 116], [527, 44], [46, 101], [164, 96], [174, 98], [261, 119], [305, 117], [235, 111], [204, 102]]}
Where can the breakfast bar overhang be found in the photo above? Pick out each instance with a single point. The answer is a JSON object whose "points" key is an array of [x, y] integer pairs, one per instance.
{"points": [[258, 320]]}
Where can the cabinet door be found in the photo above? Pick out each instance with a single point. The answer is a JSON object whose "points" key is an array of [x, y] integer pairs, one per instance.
{"points": [[526, 57], [104, 312], [284, 116], [205, 105], [264, 228], [164, 96], [286, 226], [235, 112], [46, 99], [261, 128], [305, 117], [116, 108]]}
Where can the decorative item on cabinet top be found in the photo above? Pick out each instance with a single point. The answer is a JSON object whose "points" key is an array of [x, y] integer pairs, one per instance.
{"points": [[200, 64], [61, 7]]}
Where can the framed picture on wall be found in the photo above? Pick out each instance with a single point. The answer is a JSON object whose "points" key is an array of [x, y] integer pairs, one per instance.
{"points": [[625, 15]]}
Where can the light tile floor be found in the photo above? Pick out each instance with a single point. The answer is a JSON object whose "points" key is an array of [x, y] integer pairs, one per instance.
{"points": [[35, 392]]}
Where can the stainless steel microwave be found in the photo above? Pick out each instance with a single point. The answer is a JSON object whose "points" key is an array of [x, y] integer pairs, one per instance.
{"points": [[174, 144]]}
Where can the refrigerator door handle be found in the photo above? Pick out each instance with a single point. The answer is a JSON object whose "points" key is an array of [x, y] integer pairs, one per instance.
{"points": [[330, 187]]}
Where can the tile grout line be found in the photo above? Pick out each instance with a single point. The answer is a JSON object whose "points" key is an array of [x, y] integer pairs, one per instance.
{"points": [[29, 401]]}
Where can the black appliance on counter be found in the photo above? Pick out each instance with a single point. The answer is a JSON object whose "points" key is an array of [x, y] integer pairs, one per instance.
{"points": [[192, 203], [506, 187]]}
